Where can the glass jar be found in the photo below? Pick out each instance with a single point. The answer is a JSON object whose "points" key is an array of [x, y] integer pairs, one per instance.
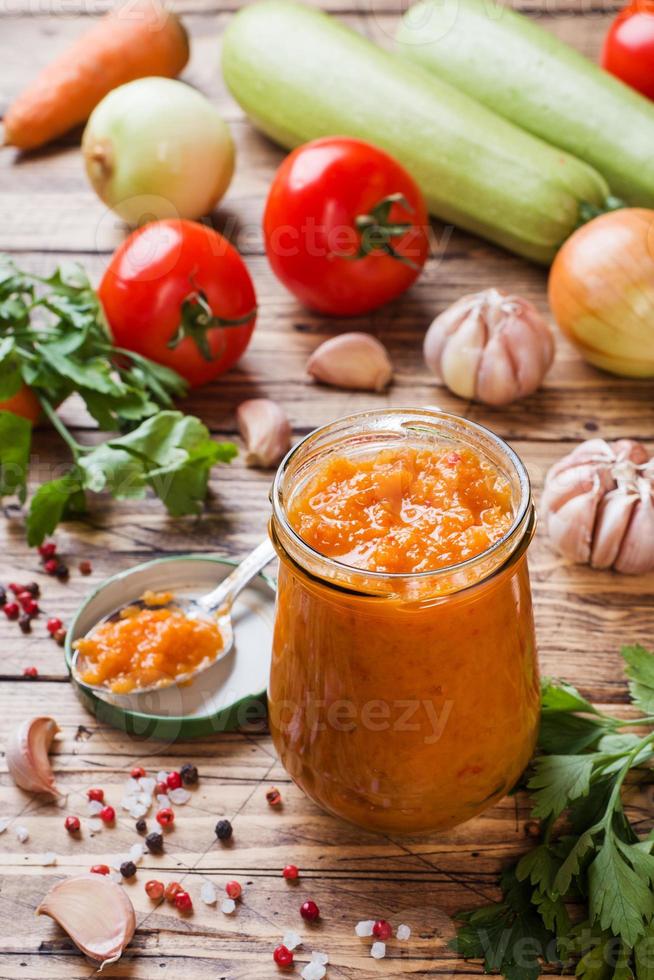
{"points": [[403, 703]]}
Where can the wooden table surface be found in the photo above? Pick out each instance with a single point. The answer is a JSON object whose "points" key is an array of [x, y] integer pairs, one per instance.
{"points": [[48, 212]]}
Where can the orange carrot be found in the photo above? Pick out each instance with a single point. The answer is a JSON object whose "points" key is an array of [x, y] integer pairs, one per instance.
{"points": [[136, 40]]}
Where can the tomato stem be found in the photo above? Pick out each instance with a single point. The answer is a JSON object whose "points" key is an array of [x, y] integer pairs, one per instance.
{"points": [[197, 318], [377, 231]]}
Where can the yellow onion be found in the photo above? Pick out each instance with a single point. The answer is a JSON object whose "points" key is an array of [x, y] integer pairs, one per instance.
{"points": [[601, 291]]}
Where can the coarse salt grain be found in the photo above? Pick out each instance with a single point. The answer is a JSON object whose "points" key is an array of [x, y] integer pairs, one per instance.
{"points": [[228, 906], [313, 971], [321, 958], [162, 800], [95, 806], [138, 810], [364, 928], [116, 876], [179, 796], [162, 776], [378, 951], [49, 858], [403, 932], [94, 824], [136, 852], [148, 784], [22, 834], [208, 893], [132, 786], [291, 940]]}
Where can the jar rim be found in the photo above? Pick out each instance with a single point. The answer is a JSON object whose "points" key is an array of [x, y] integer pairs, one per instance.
{"points": [[406, 416]]}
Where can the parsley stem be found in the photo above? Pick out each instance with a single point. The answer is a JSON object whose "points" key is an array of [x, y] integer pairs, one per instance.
{"points": [[621, 776], [59, 426]]}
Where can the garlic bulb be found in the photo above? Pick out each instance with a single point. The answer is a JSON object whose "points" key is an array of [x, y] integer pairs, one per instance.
{"points": [[598, 506], [265, 430], [352, 360], [95, 912], [489, 346], [27, 755]]}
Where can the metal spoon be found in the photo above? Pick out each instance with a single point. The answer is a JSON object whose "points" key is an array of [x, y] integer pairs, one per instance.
{"points": [[217, 603]]}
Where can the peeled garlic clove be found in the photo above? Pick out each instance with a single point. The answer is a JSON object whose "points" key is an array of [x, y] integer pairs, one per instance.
{"points": [[490, 346], [613, 516], [95, 912], [637, 552], [265, 430], [352, 360], [27, 755]]}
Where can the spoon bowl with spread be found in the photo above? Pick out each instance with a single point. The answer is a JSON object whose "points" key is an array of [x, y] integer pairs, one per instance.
{"points": [[163, 638]]}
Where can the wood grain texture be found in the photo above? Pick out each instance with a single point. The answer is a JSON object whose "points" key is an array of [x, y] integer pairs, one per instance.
{"points": [[48, 213]]}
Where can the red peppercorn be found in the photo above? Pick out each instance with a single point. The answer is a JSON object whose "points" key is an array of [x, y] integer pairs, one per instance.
{"points": [[155, 890], [60, 637], [30, 606], [25, 623], [100, 869], [173, 780], [137, 772], [233, 889], [160, 789], [165, 817], [173, 888], [16, 588], [72, 825], [11, 610], [53, 625], [50, 566], [48, 549], [23, 596], [274, 797], [291, 872], [95, 794], [85, 567], [107, 814], [382, 929], [310, 911], [283, 956], [30, 672], [183, 902]]}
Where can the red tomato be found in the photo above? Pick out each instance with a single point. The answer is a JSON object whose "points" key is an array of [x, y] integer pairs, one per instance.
{"points": [[345, 226], [179, 293], [23, 403], [628, 49]]}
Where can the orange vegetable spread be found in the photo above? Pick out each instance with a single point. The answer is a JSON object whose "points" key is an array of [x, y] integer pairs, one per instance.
{"points": [[404, 705], [404, 510], [144, 647]]}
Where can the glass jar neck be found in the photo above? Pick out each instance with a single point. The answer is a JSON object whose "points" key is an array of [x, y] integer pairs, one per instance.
{"points": [[364, 435]]}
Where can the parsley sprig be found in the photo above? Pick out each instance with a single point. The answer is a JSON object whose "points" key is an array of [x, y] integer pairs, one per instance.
{"points": [[54, 339], [584, 897]]}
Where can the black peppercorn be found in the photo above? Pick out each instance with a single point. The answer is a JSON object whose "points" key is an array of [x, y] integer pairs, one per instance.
{"points": [[154, 843], [189, 774], [141, 826], [62, 573], [3, 596], [25, 623], [34, 589], [223, 830], [128, 869]]}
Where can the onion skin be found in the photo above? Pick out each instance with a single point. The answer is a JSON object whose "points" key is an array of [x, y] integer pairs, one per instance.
{"points": [[601, 291]]}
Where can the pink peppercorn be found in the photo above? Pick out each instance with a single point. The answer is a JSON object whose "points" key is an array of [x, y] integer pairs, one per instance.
{"points": [[291, 872], [283, 956], [183, 902], [310, 911], [85, 567], [233, 889], [11, 610], [138, 772], [72, 825], [160, 789], [165, 817], [107, 814], [95, 794], [382, 930], [48, 549], [53, 625], [173, 780], [154, 889], [30, 672], [100, 869]]}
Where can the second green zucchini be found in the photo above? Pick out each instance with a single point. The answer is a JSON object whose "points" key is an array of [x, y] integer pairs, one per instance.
{"points": [[300, 74]]}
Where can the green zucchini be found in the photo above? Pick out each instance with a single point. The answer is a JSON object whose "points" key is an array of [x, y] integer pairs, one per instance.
{"points": [[524, 73], [300, 74]]}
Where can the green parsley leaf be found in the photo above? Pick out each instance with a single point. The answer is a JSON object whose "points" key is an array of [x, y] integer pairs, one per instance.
{"points": [[557, 780], [620, 896], [48, 506], [15, 443], [640, 671]]}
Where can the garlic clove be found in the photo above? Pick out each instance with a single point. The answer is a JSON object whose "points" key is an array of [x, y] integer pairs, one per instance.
{"points": [[497, 383], [95, 912], [462, 355], [637, 552], [27, 755], [265, 430], [570, 528], [352, 360], [613, 516]]}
